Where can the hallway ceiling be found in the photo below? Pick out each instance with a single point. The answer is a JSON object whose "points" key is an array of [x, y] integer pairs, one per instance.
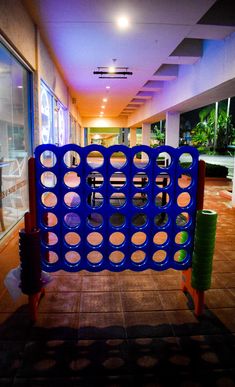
{"points": [[162, 35]]}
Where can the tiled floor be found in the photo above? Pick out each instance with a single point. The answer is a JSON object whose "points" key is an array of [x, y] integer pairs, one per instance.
{"points": [[124, 329]]}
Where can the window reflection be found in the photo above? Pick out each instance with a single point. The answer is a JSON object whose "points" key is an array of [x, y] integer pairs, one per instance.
{"points": [[14, 127]]}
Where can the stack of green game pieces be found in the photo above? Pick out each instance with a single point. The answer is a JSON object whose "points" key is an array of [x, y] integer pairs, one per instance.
{"points": [[204, 244]]}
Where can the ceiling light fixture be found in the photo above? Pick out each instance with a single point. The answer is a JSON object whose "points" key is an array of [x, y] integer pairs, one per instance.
{"points": [[118, 73], [105, 99], [123, 22], [107, 87]]}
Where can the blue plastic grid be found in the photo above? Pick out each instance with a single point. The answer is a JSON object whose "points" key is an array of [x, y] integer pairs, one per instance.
{"points": [[67, 239]]}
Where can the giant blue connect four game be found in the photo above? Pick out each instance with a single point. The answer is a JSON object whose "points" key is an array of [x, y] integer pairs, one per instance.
{"points": [[116, 208]]}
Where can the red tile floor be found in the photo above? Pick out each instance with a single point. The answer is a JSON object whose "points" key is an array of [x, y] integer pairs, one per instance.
{"points": [[119, 329]]}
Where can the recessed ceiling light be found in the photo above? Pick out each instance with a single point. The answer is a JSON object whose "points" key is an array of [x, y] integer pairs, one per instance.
{"points": [[19, 87], [102, 107], [107, 87], [105, 99], [111, 69], [123, 22]]}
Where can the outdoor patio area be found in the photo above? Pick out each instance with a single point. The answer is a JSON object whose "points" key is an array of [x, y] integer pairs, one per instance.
{"points": [[119, 329]]}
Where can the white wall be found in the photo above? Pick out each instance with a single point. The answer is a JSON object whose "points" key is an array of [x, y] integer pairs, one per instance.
{"points": [[18, 28]]}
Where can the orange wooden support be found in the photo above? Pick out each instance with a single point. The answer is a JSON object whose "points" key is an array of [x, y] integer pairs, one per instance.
{"points": [[197, 296], [33, 302]]}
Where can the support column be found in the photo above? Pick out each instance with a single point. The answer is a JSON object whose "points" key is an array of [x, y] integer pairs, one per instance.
{"points": [[132, 137], [172, 129], [125, 136], [233, 189], [84, 136], [146, 131]]}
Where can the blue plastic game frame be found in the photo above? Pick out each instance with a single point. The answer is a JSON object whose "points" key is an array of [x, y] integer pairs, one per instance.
{"points": [[56, 246]]}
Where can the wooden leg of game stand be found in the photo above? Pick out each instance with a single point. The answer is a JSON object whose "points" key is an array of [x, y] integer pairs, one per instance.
{"points": [[196, 295], [30, 225]]}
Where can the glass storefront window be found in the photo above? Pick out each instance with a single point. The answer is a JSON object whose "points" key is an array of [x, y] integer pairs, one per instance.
{"points": [[53, 115], [14, 139]]}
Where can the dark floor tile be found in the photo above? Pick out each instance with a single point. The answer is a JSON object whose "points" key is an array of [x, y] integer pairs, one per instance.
{"points": [[147, 324], [185, 323], [100, 284], [141, 301], [209, 352], [137, 282], [14, 326], [100, 302], [173, 300], [55, 326], [101, 325], [65, 283], [60, 302], [226, 316], [152, 355], [10, 357], [168, 282], [6, 382], [219, 298]]}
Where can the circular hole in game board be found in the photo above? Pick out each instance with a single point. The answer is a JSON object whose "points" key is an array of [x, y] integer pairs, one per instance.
{"points": [[117, 238], [117, 199], [72, 179], [185, 160], [72, 238], [71, 159], [48, 179], [183, 199], [72, 199], [49, 219], [163, 160], [182, 219], [95, 179], [162, 199], [161, 219], [160, 238], [181, 237], [184, 181], [117, 180], [138, 256], [51, 257], [139, 219], [48, 159], [72, 219], [118, 160], [117, 220], [94, 257], [50, 238], [139, 238], [94, 239], [140, 180], [95, 220], [159, 256], [95, 159], [141, 160], [140, 199], [49, 199], [162, 180], [95, 199], [72, 257], [180, 255], [116, 257]]}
